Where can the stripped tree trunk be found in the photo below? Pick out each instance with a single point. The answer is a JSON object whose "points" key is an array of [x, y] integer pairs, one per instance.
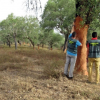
{"points": [[81, 34]]}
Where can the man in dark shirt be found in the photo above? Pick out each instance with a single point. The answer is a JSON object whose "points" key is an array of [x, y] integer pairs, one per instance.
{"points": [[93, 53]]}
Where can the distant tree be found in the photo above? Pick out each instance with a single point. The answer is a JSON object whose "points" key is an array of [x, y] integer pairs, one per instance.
{"points": [[54, 39], [12, 27], [31, 30], [5, 33], [16, 26], [43, 38]]}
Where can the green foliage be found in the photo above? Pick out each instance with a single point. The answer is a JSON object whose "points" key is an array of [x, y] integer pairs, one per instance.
{"points": [[54, 39], [43, 37], [16, 24], [32, 29], [88, 9], [51, 38], [26, 29], [20, 28], [91, 30], [12, 29], [94, 27], [58, 15]]}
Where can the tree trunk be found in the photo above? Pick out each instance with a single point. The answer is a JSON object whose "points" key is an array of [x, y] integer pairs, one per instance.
{"points": [[42, 45], [19, 42], [15, 43], [9, 44], [65, 42], [38, 46], [33, 45], [51, 47], [81, 34], [31, 42]]}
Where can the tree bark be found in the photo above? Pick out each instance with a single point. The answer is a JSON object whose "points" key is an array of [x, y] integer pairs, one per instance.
{"points": [[65, 42], [51, 47], [8, 43], [31, 42], [42, 45], [15, 41], [81, 33], [38, 46], [19, 42]]}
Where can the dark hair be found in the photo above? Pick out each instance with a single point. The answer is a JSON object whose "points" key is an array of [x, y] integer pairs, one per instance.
{"points": [[73, 34], [94, 34]]}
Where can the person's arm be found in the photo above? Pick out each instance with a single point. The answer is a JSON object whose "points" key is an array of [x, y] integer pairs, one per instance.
{"points": [[81, 45], [78, 43], [72, 30]]}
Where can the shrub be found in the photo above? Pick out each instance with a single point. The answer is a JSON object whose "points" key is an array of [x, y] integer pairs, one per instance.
{"points": [[53, 68]]}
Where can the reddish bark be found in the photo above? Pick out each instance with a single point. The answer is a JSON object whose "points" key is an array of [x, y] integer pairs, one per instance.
{"points": [[81, 34]]}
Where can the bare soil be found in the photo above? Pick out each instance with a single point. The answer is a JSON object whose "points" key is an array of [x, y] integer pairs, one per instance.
{"points": [[24, 79]]}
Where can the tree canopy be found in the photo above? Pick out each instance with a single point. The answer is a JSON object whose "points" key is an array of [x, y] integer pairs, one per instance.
{"points": [[21, 29], [88, 10], [58, 15]]}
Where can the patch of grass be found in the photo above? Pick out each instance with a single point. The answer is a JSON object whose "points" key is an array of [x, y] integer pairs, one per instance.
{"points": [[53, 68], [97, 98], [16, 66], [38, 54], [87, 94], [8, 56], [22, 86], [24, 74]]}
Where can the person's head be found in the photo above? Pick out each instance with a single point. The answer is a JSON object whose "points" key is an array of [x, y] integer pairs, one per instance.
{"points": [[73, 34], [94, 34]]}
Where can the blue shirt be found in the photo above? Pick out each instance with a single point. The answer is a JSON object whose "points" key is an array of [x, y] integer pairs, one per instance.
{"points": [[77, 44]]}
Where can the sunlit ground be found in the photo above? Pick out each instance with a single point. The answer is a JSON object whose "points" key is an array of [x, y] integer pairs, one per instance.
{"points": [[36, 74]]}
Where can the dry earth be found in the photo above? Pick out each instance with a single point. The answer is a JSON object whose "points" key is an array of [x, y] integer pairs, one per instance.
{"points": [[28, 82]]}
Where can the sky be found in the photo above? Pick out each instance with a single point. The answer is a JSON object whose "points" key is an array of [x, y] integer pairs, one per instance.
{"points": [[17, 7]]}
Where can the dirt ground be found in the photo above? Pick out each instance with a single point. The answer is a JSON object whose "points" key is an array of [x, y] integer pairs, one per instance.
{"points": [[30, 83]]}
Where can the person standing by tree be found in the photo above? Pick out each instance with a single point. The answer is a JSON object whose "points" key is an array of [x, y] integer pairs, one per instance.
{"points": [[71, 54], [93, 53]]}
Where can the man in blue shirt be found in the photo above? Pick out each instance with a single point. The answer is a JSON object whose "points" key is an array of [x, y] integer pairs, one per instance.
{"points": [[71, 54]]}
